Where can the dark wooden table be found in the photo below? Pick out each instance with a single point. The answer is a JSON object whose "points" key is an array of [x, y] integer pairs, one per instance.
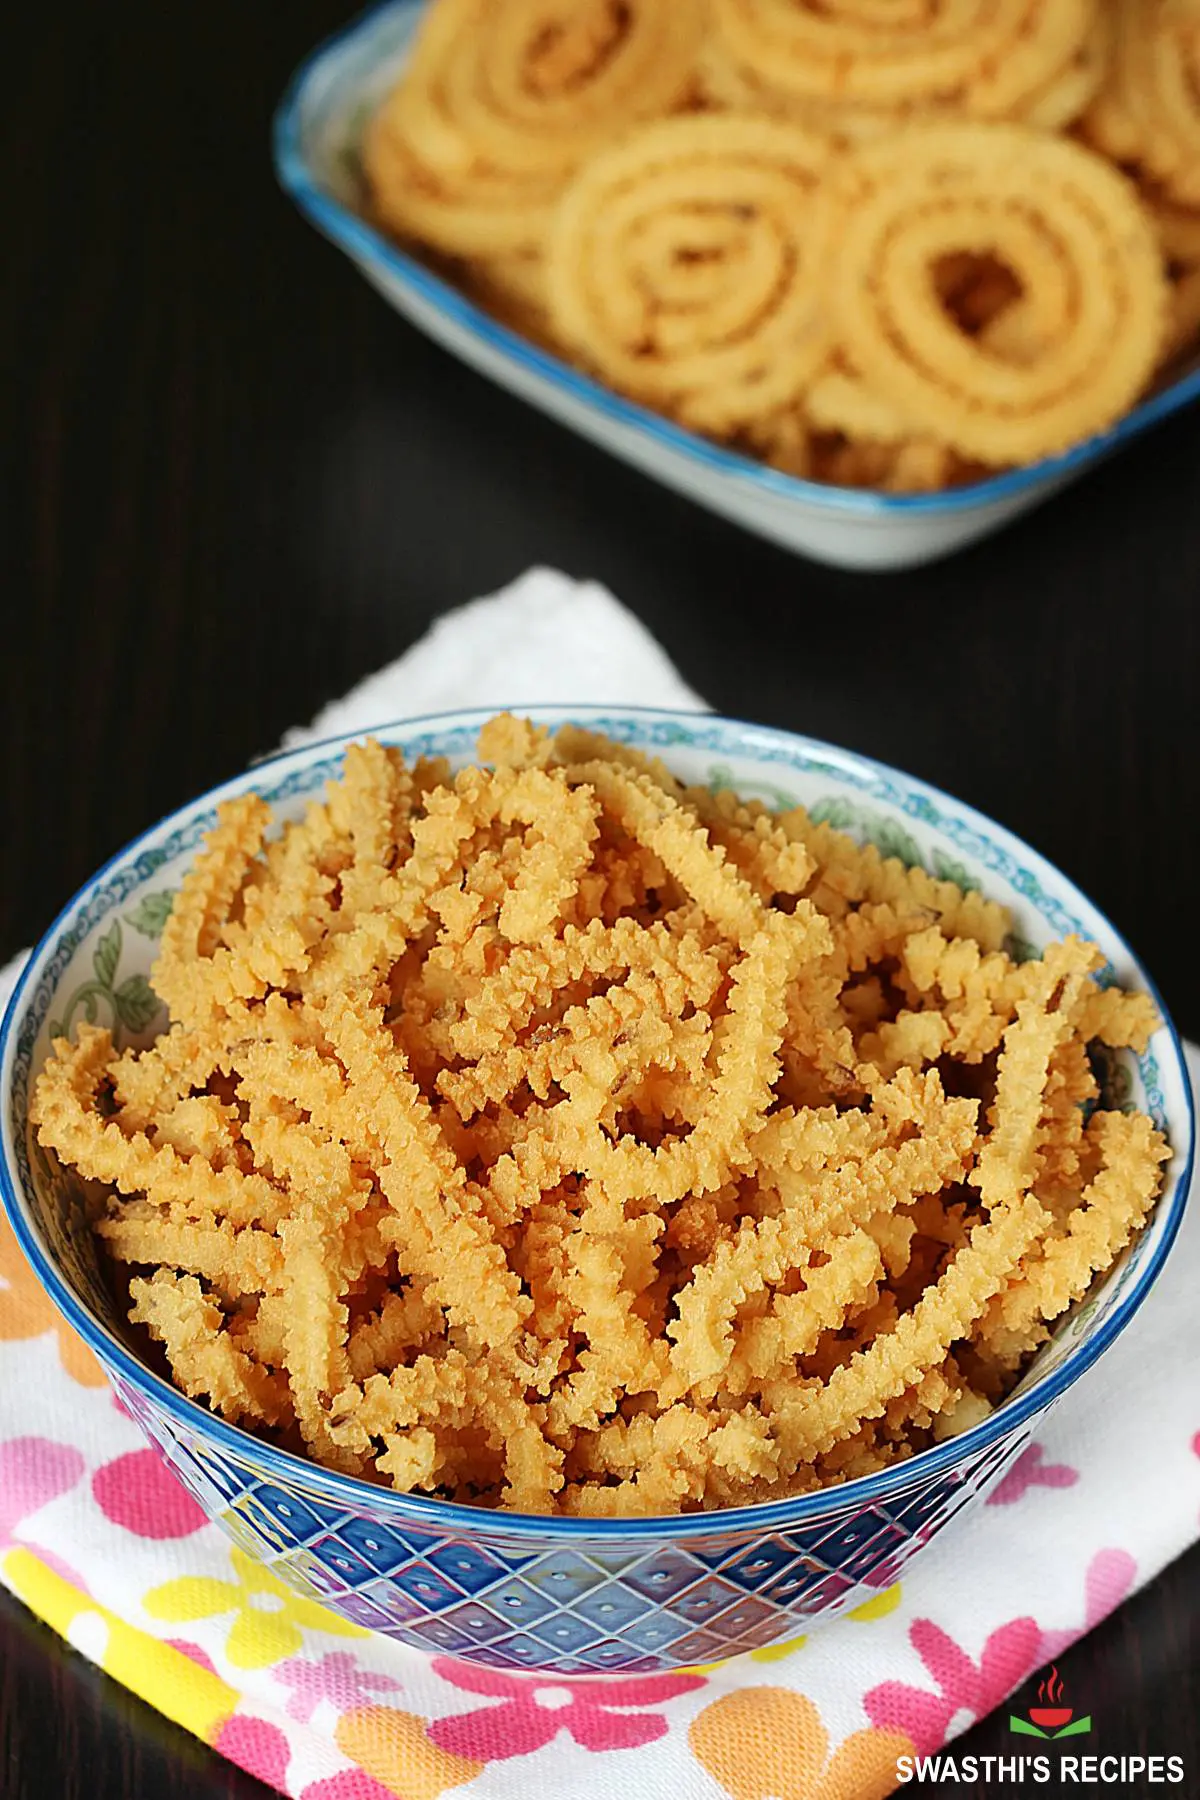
{"points": [[234, 482]]}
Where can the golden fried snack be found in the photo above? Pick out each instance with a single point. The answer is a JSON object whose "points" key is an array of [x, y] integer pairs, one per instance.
{"points": [[654, 191], [987, 58], [1148, 111], [1060, 1269], [1093, 298], [68, 1119], [1183, 317], [559, 1137], [684, 265], [1177, 227], [504, 99], [204, 1360]]}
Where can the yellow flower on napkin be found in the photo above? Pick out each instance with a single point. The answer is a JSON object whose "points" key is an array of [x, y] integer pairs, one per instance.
{"points": [[270, 1619]]}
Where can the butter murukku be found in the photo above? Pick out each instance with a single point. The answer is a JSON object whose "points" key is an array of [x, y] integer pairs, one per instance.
{"points": [[203, 1358], [649, 190], [70, 1123], [559, 1137], [1148, 112], [202, 905], [988, 57], [238, 1260], [503, 99], [895, 1359], [424, 1183], [1074, 234], [1060, 1269], [683, 264]]}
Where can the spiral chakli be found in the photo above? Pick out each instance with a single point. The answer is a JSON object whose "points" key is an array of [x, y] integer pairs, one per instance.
{"points": [[503, 99], [1148, 112], [1082, 334], [986, 58], [685, 264]]}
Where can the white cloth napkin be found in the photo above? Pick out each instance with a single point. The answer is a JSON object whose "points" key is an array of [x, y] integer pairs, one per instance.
{"points": [[1107, 1494], [543, 641]]}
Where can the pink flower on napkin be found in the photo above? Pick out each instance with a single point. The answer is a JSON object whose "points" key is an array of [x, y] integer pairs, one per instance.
{"points": [[261, 1749], [536, 1708], [138, 1492], [1110, 1575], [34, 1471], [336, 1678], [1030, 1471], [963, 1686]]}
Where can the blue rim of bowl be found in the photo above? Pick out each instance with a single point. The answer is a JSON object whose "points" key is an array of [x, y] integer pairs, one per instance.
{"points": [[355, 1495], [362, 241]]}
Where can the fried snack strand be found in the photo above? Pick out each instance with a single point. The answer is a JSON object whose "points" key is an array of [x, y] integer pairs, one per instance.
{"points": [[69, 1123], [423, 1182], [203, 1358], [192, 932], [818, 1419], [1060, 1270], [236, 1261], [822, 1202], [557, 1136]]}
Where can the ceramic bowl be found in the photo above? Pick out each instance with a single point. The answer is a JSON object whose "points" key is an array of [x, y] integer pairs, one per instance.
{"points": [[317, 130], [572, 1597]]}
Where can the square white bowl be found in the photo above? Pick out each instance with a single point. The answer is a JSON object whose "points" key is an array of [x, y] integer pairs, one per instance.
{"points": [[317, 130]]}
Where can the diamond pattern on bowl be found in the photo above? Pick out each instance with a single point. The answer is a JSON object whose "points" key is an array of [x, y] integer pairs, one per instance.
{"points": [[707, 1600], [256, 1534], [341, 1562], [701, 1647], [710, 1552], [440, 1635], [759, 1563], [479, 1622], [663, 1575], [613, 1607], [293, 1515], [384, 1550], [567, 1603], [565, 1632], [611, 1654], [468, 1567], [321, 1583], [423, 1584], [519, 1652], [748, 1617], [656, 1631], [361, 1609], [563, 1577], [518, 1603]]}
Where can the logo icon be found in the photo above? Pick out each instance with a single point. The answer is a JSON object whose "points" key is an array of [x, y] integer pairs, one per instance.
{"points": [[1050, 1718]]}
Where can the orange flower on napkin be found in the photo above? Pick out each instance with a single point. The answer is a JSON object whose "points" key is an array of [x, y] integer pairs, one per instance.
{"points": [[393, 1748], [26, 1311], [769, 1744]]}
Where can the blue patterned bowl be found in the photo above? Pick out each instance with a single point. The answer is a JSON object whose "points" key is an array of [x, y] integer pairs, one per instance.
{"points": [[517, 1591]]}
